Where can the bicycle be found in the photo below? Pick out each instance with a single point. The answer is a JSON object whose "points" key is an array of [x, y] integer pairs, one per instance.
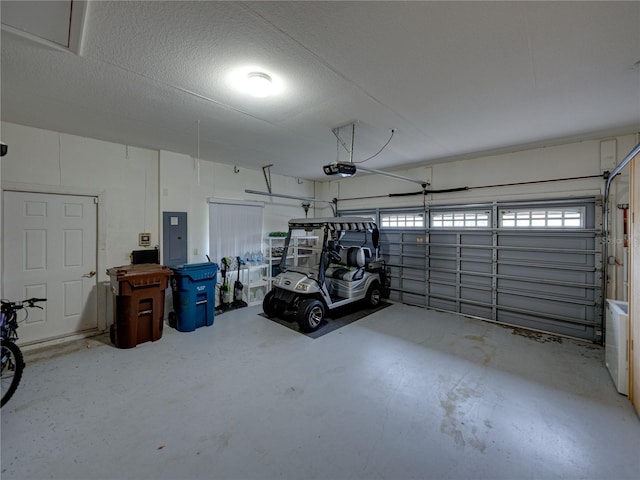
{"points": [[12, 361]]}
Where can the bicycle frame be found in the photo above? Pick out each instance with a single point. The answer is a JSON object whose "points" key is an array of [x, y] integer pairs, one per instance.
{"points": [[8, 323], [11, 361]]}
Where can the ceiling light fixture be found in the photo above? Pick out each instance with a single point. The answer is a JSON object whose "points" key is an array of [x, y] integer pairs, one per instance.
{"points": [[259, 84]]}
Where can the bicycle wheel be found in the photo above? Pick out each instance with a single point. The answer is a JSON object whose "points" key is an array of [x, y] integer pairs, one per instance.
{"points": [[12, 367]]}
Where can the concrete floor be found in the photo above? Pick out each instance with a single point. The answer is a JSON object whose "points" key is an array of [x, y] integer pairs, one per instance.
{"points": [[403, 393]]}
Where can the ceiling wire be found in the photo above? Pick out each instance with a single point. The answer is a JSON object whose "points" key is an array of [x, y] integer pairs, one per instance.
{"points": [[198, 159], [379, 151]]}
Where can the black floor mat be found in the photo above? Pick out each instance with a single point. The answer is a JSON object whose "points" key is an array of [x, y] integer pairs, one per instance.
{"points": [[339, 318]]}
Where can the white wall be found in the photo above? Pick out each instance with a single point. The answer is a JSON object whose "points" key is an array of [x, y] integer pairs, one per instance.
{"points": [[185, 187], [124, 179], [134, 186], [570, 160]]}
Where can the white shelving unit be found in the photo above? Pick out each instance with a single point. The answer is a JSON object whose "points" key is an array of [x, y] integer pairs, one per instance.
{"points": [[254, 280], [298, 248], [272, 256]]}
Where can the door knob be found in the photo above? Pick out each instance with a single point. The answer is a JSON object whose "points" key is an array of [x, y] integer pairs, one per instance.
{"points": [[89, 275]]}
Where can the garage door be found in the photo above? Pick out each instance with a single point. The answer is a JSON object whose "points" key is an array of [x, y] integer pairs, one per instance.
{"points": [[530, 264]]}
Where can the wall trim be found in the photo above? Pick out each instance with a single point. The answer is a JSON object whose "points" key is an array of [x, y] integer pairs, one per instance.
{"points": [[229, 201]]}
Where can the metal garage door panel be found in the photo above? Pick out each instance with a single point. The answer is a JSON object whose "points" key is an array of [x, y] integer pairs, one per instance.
{"points": [[474, 266], [477, 295], [405, 253], [413, 299], [442, 289], [542, 288], [542, 306], [415, 273], [569, 257], [475, 281], [412, 285], [389, 236], [476, 253], [438, 276], [546, 239], [442, 264], [475, 310], [546, 279], [442, 304], [558, 274], [583, 331], [575, 251], [476, 238], [440, 251]]}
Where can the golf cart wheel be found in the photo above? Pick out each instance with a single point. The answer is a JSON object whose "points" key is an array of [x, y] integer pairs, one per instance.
{"points": [[270, 305], [310, 314], [374, 294]]}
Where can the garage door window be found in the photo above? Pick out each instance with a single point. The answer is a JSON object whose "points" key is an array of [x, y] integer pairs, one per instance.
{"points": [[407, 220], [468, 219], [571, 217]]}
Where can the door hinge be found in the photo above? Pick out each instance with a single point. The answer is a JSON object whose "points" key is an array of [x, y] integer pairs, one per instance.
{"points": [[95, 201]]}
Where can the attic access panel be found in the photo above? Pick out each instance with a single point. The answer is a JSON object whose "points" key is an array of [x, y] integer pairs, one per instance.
{"points": [[52, 22]]}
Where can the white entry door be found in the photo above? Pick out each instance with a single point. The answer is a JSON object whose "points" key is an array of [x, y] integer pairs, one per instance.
{"points": [[49, 251]]}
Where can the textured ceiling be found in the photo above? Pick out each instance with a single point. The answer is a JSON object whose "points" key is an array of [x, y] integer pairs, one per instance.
{"points": [[453, 78]]}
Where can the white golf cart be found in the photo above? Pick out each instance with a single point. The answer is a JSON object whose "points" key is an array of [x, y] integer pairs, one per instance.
{"points": [[314, 279]]}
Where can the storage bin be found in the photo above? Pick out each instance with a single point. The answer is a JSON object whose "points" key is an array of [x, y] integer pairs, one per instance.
{"points": [[139, 303], [194, 287]]}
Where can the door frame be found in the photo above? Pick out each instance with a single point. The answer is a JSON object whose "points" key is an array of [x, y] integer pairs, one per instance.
{"points": [[103, 285], [634, 283]]}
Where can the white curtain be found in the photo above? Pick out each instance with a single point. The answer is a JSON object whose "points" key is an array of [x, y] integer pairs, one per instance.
{"points": [[235, 228]]}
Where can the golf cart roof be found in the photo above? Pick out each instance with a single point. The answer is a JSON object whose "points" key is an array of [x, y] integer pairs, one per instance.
{"points": [[334, 223]]}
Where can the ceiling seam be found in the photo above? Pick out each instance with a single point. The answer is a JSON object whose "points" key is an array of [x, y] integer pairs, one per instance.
{"points": [[532, 60], [334, 69], [192, 93]]}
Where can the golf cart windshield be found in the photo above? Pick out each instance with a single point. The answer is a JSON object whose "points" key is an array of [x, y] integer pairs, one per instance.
{"points": [[309, 241]]}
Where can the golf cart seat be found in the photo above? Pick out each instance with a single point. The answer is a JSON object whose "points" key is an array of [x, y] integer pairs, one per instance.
{"points": [[351, 265]]}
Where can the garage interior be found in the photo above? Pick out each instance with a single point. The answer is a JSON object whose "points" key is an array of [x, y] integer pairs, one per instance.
{"points": [[494, 144]]}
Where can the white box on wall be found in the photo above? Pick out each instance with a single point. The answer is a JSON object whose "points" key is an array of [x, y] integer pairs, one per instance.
{"points": [[608, 154]]}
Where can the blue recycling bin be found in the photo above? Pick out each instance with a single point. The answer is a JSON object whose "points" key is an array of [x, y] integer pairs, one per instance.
{"points": [[194, 287]]}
